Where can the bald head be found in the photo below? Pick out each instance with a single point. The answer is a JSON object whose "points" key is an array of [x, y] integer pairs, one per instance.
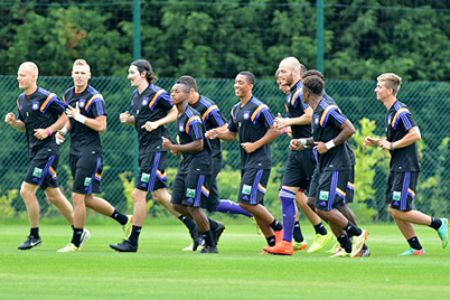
{"points": [[30, 68], [292, 63], [289, 71]]}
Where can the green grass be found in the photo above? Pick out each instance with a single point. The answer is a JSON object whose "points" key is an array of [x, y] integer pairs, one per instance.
{"points": [[161, 271]]}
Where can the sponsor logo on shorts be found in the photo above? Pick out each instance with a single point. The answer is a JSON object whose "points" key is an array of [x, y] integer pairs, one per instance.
{"points": [[37, 172], [190, 193], [246, 189], [323, 195], [87, 181], [396, 196], [145, 177]]}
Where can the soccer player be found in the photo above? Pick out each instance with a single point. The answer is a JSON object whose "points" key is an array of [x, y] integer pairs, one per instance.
{"points": [[151, 109], [252, 122], [40, 115], [299, 167], [331, 129], [402, 133], [87, 119], [211, 117], [191, 187]]}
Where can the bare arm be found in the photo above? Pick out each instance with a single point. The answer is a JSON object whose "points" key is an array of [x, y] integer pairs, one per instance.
{"points": [[268, 137], [11, 120], [169, 118], [304, 119], [411, 137], [347, 130], [194, 146]]}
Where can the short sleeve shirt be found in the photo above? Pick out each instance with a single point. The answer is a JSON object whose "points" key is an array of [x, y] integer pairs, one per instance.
{"points": [[398, 122], [251, 122], [190, 129], [92, 105], [151, 105], [296, 108], [327, 122], [39, 110]]}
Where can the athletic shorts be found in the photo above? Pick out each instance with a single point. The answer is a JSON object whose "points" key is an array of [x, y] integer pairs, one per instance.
{"points": [[87, 172], [350, 186], [152, 174], [191, 190], [253, 186], [401, 190], [312, 190], [42, 169], [299, 169], [214, 200], [330, 192]]}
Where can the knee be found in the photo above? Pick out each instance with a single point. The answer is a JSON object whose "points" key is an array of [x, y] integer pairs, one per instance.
{"points": [[137, 196], [156, 196], [393, 212], [78, 199], [26, 193]]}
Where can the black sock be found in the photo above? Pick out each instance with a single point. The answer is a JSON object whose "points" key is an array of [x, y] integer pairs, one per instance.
{"points": [[271, 240], [76, 237], [188, 223], [364, 247], [298, 236], [435, 223], [121, 218], [414, 243], [213, 224], [209, 238], [276, 226], [352, 230], [134, 236], [34, 232], [345, 243], [320, 229]]}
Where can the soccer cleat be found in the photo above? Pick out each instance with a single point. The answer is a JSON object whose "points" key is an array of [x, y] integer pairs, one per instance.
{"points": [[443, 232], [125, 246], [128, 226], [209, 249], [278, 236], [335, 248], [282, 248], [319, 242], [300, 246], [358, 242], [340, 253], [363, 253], [201, 243], [29, 243], [195, 236], [218, 232], [84, 237], [69, 248], [413, 252]]}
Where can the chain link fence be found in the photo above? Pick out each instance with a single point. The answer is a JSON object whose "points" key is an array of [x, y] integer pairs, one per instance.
{"points": [[428, 101]]}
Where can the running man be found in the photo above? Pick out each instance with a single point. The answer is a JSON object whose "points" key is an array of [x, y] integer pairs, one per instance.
{"points": [[402, 133], [40, 115], [87, 114]]}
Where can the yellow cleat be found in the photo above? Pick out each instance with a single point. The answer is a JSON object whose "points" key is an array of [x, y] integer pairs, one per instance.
{"points": [[319, 242], [128, 226], [69, 248], [300, 246], [358, 242]]}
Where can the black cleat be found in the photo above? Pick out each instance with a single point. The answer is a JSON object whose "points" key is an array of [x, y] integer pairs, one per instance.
{"points": [[195, 239], [29, 243], [218, 232], [209, 249], [125, 246]]}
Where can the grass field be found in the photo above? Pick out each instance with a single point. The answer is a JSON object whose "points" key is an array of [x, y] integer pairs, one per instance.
{"points": [[161, 271]]}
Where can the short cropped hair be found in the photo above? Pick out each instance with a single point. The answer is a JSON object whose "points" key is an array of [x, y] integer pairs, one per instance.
{"points": [[189, 81], [314, 84], [81, 62], [313, 72], [391, 80], [250, 77]]}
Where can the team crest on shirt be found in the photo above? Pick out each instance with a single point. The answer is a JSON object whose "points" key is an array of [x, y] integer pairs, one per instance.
{"points": [[246, 115], [82, 102], [181, 128], [35, 105], [389, 119], [145, 101], [316, 120]]}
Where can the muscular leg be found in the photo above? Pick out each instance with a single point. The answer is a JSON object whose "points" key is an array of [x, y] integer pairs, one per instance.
{"points": [[28, 193], [140, 207], [57, 198], [163, 197]]}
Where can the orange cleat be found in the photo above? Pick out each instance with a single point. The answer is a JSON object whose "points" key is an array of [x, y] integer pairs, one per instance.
{"points": [[282, 248], [278, 236]]}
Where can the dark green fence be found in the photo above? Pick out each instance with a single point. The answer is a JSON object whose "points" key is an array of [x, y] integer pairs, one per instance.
{"points": [[428, 101]]}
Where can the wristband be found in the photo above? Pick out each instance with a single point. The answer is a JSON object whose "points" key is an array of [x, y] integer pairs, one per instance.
{"points": [[49, 131], [302, 142], [80, 118], [330, 144], [391, 146], [64, 130]]}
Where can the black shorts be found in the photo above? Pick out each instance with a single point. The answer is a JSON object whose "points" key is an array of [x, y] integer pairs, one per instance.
{"points": [[214, 200], [350, 186], [401, 190], [87, 172], [191, 190], [299, 169], [152, 174], [330, 192], [253, 186], [312, 190], [42, 169]]}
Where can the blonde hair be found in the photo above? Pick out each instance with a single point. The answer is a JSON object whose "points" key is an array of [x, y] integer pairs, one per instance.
{"points": [[293, 64], [391, 81], [81, 62]]}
